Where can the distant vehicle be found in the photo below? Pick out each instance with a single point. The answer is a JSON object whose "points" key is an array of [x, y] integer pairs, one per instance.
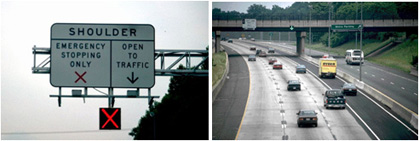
{"points": [[240, 38], [294, 85], [252, 47], [327, 67], [349, 89], [223, 39], [230, 41], [300, 69], [272, 61], [252, 58], [326, 56], [271, 50], [262, 54], [334, 98], [354, 56], [244, 38], [252, 39], [307, 117], [258, 51], [277, 65]]}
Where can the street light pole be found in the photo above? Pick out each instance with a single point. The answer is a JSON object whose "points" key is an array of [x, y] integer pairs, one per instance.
{"points": [[356, 33], [360, 64], [329, 31], [310, 6]]}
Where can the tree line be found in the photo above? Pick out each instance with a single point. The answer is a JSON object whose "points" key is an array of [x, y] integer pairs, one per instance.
{"points": [[320, 11]]}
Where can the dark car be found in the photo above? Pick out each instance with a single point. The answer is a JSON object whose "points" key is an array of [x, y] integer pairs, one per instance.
{"points": [[230, 41], [252, 48], [258, 51], [294, 85], [300, 69], [271, 50], [349, 89], [262, 54], [307, 117], [272, 61], [223, 39], [277, 65], [252, 58], [334, 99]]}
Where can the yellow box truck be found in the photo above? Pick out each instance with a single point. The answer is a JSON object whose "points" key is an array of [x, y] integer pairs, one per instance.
{"points": [[327, 67]]}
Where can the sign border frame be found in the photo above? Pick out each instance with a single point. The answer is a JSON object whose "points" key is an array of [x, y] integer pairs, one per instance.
{"points": [[110, 82]]}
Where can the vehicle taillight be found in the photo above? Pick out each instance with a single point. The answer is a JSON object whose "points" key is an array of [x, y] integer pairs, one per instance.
{"points": [[327, 101], [300, 119], [345, 101], [314, 118]]}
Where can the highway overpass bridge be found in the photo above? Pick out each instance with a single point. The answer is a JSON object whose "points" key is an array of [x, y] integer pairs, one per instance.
{"points": [[410, 26]]}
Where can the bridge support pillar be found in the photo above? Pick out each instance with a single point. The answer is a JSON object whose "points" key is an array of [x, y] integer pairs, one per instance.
{"points": [[217, 41], [301, 35]]}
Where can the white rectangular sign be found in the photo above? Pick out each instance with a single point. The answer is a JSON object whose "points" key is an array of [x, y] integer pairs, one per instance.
{"points": [[249, 24], [102, 55]]}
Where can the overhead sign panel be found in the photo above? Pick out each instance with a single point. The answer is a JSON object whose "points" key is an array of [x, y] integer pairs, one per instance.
{"points": [[102, 55], [249, 24], [347, 27]]}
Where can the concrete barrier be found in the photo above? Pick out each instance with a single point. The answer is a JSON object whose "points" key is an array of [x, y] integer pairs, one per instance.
{"points": [[395, 106], [217, 87]]}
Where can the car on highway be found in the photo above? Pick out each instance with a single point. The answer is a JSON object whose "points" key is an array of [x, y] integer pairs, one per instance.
{"points": [[300, 69], [327, 67], [334, 99], [307, 117], [293, 85], [258, 51], [326, 56], [230, 41], [252, 58], [262, 54], [223, 39], [272, 61], [277, 65], [349, 89], [252, 47], [271, 50], [252, 39]]}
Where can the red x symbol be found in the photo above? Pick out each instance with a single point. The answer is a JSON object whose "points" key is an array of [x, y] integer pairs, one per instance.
{"points": [[80, 77], [110, 118]]}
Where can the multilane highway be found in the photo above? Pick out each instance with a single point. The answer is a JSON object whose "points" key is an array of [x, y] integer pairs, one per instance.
{"points": [[270, 112], [398, 85]]}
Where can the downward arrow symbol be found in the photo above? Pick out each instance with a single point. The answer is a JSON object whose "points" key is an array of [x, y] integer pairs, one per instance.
{"points": [[132, 80]]}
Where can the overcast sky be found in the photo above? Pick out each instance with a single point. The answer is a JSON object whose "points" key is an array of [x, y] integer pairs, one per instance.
{"points": [[25, 102], [243, 6]]}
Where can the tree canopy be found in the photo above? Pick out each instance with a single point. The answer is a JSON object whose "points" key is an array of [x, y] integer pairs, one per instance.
{"points": [[320, 11]]}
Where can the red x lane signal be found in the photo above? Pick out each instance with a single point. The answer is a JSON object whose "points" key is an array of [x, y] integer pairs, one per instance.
{"points": [[110, 118], [80, 77]]}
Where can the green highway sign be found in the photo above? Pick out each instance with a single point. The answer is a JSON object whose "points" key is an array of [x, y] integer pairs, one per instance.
{"points": [[291, 27], [270, 34], [347, 27]]}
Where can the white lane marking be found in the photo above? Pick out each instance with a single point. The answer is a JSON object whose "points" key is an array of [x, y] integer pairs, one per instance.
{"points": [[391, 83], [357, 69], [382, 79], [403, 88], [384, 110], [352, 67], [362, 121], [393, 74], [415, 93], [365, 72], [373, 75]]}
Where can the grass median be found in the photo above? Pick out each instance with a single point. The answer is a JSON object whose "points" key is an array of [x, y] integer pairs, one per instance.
{"points": [[218, 66]]}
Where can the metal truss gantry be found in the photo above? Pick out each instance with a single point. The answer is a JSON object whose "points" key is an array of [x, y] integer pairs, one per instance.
{"points": [[42, 68]]}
